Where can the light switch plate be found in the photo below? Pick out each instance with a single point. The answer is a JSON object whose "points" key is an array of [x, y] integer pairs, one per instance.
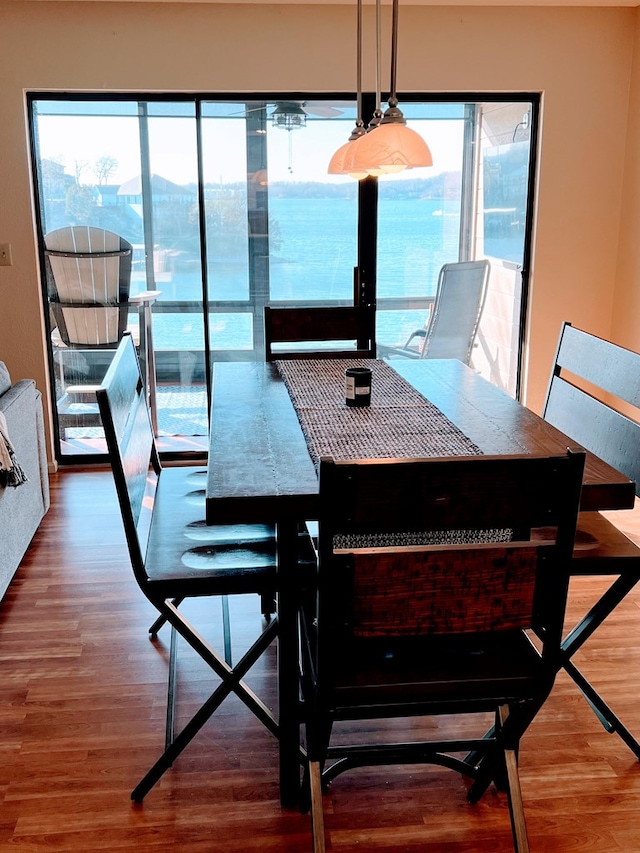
{"points": [[5, 255]]}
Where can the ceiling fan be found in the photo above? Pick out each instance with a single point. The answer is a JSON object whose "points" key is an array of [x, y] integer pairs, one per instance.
{"points": [[291, 115], [314, 108]]}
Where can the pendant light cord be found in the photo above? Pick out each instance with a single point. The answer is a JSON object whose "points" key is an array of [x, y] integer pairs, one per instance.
{"points": [[394, 51], [359, 62], [378, 55]]}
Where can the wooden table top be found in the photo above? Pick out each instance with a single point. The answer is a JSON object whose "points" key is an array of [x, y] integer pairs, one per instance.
{"points": [[260, 468]]}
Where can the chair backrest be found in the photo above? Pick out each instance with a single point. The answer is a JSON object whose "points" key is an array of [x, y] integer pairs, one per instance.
{"points": [[89, 276], [304, 326], [460, 298], [589, 414], [444, 546], [131, 447]]}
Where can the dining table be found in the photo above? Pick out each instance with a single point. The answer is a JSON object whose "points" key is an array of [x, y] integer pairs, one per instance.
{"points": [[271, 422]]}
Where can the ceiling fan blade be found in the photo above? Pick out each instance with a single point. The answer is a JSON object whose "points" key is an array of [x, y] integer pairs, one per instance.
{"points": [[321, 110]]}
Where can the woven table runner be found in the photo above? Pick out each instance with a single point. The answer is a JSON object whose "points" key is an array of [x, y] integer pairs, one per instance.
{"points": [[399, 423]]}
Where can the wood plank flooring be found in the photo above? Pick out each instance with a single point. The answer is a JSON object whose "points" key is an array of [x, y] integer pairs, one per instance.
{"points": [[82, 693]]}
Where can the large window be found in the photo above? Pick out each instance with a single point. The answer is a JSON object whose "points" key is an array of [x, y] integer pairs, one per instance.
{"points": [[228, 206]]}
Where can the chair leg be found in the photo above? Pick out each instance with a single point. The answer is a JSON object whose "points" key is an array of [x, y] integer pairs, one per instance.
{"points": [[231, 683], [488, 767], [317, 813], [226, 629], [171, 690], [609, 720], [153, 630], [576, 639], [516, 806], [267, 604]]}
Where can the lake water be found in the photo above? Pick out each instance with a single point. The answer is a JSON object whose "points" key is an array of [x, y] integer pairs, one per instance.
{"points": [[318, 253], [314, 259]]}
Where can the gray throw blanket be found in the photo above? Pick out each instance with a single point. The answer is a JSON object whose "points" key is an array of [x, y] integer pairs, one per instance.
{"points": [[11, 474]]}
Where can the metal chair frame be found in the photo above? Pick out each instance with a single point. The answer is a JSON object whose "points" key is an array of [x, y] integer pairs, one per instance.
{"points": [[452, 325], [176, 556]]}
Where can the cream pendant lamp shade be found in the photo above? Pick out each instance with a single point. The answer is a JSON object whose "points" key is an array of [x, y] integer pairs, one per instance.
{"points": [[391, 147], [349, 155], [337, 164]]}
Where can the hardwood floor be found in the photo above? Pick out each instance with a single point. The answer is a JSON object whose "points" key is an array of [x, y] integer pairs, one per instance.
{"points": [[82, 693]]}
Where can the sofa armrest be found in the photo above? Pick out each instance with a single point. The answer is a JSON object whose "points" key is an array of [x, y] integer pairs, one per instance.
{"points": [[22, 407], [22, 507], [5, 379]]}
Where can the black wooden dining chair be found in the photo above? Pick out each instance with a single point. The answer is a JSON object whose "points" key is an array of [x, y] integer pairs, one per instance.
{"points": [[404, 628], [176, 556], [297, 332], [591, 382]]}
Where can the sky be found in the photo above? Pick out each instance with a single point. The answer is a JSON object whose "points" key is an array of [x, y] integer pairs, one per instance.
{"points": [[78, 142]]}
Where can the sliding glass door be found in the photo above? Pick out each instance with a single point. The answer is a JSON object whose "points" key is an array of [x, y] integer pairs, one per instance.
{"points": [[277, 231], [476, 202], [228, 207], [129, 167]]}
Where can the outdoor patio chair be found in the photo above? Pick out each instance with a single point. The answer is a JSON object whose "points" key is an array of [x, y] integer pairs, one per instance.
{"points": [[595, 419], [429, 582], [452, 325], [89, 280], [176, 556], [352, 328]]}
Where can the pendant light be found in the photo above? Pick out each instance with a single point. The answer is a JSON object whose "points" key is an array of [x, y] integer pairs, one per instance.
{"points": [[351, 164], [338, 163], [391, 146]]}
